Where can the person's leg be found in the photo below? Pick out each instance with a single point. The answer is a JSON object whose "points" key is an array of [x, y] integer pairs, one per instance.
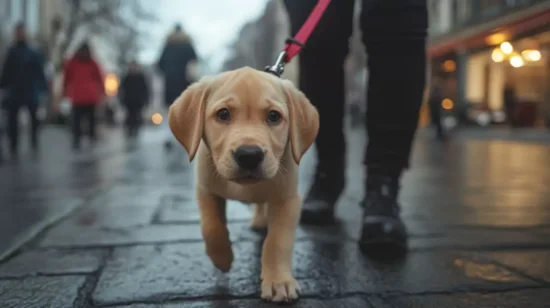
{"points": [[76, 114], [322, 81], [394, 34], [90, 114], [137, 118], [128, 121], [13, 128], [33, 109]]}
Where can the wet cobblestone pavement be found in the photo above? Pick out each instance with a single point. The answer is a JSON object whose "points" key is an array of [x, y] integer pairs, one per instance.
{"points": [[119, 228]]}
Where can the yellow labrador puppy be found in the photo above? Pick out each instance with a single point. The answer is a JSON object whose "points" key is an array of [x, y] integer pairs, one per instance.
{"points": [[248, 130]]}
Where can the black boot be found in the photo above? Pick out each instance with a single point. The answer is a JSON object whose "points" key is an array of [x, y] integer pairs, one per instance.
{"points": [[319, 203], [383, 230]]}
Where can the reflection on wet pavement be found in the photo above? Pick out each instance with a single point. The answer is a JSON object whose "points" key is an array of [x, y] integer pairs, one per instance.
{"points": [[478, 212]]}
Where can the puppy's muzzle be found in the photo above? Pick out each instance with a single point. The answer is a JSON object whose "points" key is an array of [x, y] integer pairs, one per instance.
{"points": [[249, 157]]}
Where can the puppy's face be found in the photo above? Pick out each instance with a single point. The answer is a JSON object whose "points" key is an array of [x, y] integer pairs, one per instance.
{"points": [[246, 127], [247, 119]]}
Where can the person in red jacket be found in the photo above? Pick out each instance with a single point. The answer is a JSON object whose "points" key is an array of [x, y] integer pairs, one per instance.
{"points": [[83, 85]]}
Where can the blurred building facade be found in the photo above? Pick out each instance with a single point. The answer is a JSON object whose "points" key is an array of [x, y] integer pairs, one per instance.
{"points": [[13, 11], [480, 45], [39, 17], [260, 41]]}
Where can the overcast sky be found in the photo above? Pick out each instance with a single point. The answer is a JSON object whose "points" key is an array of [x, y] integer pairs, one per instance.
{"points": [[213, 24]]}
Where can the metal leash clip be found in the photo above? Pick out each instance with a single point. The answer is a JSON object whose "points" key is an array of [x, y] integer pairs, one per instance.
{"points": [[278, 68]]}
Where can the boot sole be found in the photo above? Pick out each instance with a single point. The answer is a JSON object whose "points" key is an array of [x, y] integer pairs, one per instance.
{"points": [[385, 243]]}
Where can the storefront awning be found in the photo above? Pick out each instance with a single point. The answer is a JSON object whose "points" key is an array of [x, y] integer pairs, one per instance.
{"points": [[490, 33]]}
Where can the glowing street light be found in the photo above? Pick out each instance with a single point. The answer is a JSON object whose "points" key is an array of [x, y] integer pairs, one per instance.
{"points": [[497, 55], [447, 104], [507, 48], [111, 84], [516, 61], [531, 55], [156, 118]]}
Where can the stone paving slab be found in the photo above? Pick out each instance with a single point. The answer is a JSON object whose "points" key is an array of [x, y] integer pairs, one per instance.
{"points": [[188, 211], [121, 216], [350, 302], [40, 292], [534, 263], [536, 298], [127, 225], [157, 273], [23, 220], [478, 214], [70, 236], [52, 262]]}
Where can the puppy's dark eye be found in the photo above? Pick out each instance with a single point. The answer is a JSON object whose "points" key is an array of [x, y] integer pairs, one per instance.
{"points": [[223, 115], [273, 117]]}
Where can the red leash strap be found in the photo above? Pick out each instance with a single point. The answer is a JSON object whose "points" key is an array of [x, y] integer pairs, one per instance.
{"points": [[293, 46]]}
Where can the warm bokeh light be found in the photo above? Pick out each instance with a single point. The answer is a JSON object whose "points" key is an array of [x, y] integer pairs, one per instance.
{"points": [[507, 48], [447, 104], [531, 55], [516, 61], [497, 55], [111, 84], [449, 66], [156, 118], [496, 38]]}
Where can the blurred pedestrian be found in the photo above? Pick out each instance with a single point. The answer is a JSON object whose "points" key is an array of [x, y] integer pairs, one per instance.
{"points": [[177, 58], [134, 95], [510, 102], [83, 85], [394, 34], [23, 82], [436, 96]]}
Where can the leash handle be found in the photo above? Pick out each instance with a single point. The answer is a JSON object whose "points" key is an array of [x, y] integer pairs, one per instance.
{"points": [[294, 45]]}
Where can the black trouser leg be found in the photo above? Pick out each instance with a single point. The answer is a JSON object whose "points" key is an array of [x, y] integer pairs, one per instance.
{"points": [[13, 127], [322, 81], [77, 112], [322, 74], [90, 115], [33, 109], [133, 120], [394, 34]]}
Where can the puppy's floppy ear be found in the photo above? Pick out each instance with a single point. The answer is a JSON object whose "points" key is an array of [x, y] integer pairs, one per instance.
{"points": [[304, 120], [186, 116]]}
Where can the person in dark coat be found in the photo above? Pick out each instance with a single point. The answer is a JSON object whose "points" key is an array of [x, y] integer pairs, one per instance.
{"points": [[134, 95], [177, 55], [23, 81]]}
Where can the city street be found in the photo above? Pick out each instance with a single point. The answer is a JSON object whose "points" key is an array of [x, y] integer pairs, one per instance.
{"points": [[118, 227]]}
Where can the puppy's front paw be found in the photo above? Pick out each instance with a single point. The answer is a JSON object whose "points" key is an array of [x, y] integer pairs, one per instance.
{"points": [[221, 254], [280, 288]]}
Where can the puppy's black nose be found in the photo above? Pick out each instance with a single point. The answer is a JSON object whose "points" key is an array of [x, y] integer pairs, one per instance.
{"points": [[248, 156]]}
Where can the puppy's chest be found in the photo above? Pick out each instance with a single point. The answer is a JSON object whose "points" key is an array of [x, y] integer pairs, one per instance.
{"points": [[245, 194]]}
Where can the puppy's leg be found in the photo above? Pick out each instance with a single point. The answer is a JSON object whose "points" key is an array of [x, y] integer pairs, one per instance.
{"points": [[214, 230], [278, 283], [259, 217]]}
